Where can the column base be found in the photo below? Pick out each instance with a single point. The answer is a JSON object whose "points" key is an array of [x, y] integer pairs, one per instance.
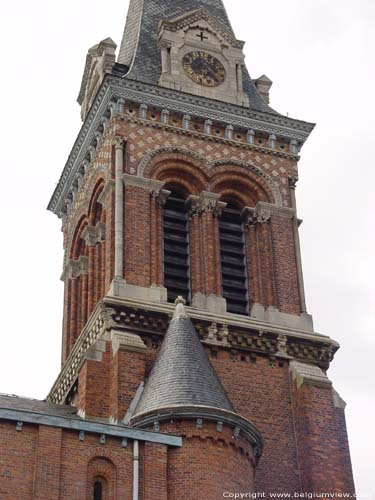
{"points": [[119, 288], [211, 303], [303, 321]]}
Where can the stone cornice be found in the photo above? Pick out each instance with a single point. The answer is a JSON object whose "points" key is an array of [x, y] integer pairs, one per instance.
{"points": [[218, 331], [92, 426], [116, 88], [241, 425]]}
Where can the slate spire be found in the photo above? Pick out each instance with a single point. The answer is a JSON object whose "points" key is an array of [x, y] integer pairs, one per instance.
{"points": [[182, 375], [139, 47]]}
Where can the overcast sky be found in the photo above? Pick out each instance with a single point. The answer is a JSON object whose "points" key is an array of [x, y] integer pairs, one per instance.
{"points": [[320, 56]]}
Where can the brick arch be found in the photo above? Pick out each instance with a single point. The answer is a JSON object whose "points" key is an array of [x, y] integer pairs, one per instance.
{"points": [[148, 162], [244, 182], [180, 171], [95, 210], [101, 468], [78, 246]]}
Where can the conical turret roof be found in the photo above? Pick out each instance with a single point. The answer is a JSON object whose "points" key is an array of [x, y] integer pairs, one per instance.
{"points": [[139, 48], [182, 375]]}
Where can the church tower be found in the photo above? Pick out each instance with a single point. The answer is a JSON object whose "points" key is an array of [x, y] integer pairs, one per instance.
{"points": [[190, 365]]}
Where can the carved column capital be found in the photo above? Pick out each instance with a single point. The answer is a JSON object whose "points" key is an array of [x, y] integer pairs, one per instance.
{"points": [[160, 196], [89, 234], [119, 142], [206, 202], [94, 234], [254, 216], [292, 182]]}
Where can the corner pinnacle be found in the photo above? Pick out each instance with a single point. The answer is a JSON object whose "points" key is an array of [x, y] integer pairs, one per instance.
{"points": [[180, 308]]}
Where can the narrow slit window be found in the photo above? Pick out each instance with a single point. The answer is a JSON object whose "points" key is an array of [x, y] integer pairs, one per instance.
{"points": [[98, 490], [233, 261], [176, 247]]}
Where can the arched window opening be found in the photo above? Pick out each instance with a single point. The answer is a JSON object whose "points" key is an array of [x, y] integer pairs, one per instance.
{"points": [[176, 247], [233, 260], [98, 490]]}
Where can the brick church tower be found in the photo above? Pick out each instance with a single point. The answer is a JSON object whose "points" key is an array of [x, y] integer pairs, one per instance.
{"points": [[190, 366]]}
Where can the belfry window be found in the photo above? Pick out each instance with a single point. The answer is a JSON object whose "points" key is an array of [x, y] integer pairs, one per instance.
{"points": [[176, 247], [98, 490], [233, 260]]}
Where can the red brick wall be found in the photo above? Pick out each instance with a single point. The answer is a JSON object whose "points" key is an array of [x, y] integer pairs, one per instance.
{"points": [[209, 463], [18, 451], [261, 394], [47, 463], [322, 441]]}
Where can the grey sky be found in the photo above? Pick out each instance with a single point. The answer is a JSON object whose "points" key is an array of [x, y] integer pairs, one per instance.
{"points": [[319, 55]]}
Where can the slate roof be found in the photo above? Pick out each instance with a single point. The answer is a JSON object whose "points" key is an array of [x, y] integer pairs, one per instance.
{"points": [[10, 402], [139, 49], [182, 374]]}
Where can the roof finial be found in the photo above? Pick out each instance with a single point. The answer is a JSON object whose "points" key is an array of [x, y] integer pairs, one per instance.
{"points": [[180, 309]]}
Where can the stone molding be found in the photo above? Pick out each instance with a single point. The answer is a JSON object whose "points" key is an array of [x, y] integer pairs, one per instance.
{"points": [[338, 402], [90, 426], [114, 88], [266, 210], [240, 425], [126, 341], [227, 331], [142, 182], [205, 202], [195, 16], [305, 374]]}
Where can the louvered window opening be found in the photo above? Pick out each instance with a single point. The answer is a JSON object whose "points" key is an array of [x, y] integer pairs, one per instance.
{"points": [[233, 261], [176, 248]]}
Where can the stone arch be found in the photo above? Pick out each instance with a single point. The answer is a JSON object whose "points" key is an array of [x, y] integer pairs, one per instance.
{"points": [[230, 175]]}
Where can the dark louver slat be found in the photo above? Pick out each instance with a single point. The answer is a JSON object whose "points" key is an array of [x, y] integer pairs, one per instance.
{"points": [[233, 267], [176, 248]]}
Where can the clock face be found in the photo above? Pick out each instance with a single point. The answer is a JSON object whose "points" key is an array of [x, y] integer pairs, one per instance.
{"points": [[203, 68]]}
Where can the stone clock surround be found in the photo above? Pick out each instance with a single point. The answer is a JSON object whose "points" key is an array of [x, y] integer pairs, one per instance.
{"points": [[196, 31]]}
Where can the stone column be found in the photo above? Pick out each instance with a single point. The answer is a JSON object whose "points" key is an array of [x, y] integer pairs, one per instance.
{"points": [[301, 286], [195, 246], [90, 236], [208, 207], [119, 208], [252, 257], [84, 293], [107, 269], [267, 271], [158, 200]]}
